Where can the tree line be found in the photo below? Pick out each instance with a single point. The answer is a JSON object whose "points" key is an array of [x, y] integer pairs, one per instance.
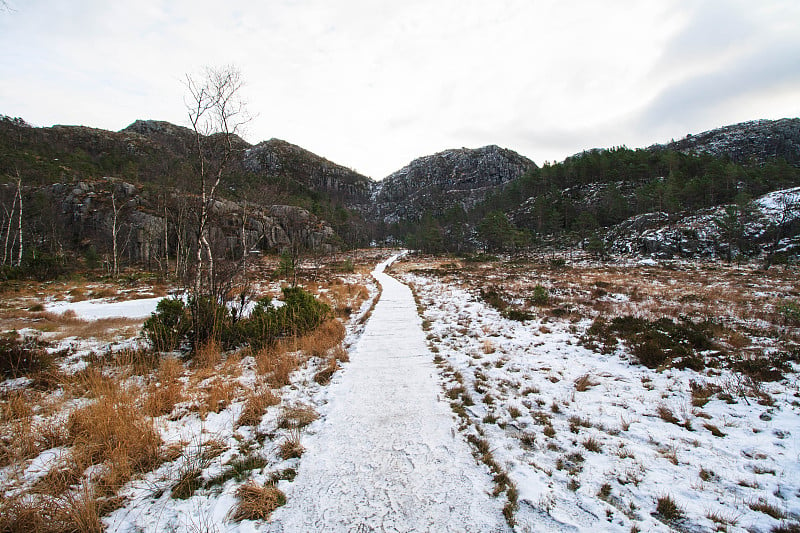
{"points": [[576, 200]]}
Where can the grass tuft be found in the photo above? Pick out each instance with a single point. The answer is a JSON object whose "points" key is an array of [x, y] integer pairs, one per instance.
{"points": [[256, 502]]}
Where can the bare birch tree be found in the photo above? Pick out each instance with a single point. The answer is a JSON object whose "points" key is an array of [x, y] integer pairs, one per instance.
{"points": [[216, 113], [19, 220]]}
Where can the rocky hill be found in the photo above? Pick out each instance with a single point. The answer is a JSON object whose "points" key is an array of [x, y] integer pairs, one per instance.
{"points": [[280, 158], [756, 140], [770, 224], [461, 177], [160, 152], [629, 195]]}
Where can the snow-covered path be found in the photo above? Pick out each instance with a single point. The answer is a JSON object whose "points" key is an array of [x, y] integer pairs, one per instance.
{"points": [[387, 456]]}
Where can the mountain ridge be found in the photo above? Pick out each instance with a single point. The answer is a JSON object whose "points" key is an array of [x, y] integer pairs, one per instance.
{"points": [[454, 187]]}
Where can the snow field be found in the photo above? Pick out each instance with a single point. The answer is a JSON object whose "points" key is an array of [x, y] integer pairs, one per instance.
{"points": [[203, 440], [581, 435]]}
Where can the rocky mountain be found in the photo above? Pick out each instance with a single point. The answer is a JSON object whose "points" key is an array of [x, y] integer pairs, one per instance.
{"points": [[461, 177], [756, 140], [280, 158]]}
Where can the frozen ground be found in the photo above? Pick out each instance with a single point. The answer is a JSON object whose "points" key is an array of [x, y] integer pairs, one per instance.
{"points": [[386, 455], [582, 434], [96, 309]]}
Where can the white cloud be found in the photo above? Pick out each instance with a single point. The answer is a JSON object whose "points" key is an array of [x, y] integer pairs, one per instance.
{"points": [[372, 85]]}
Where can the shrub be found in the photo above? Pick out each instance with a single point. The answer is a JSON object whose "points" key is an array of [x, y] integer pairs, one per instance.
{"points": [[790, 312], [211, 321], [300, 313], [494, 297], [168, 326], [540, 295], [22, 357], [659, 342], [764, 367], [517, 314], [346, 266], [40, 266]]}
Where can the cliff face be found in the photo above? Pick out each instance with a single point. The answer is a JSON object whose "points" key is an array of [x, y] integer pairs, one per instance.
{"points": [[85, 213], [756, 140], [461, 177]]}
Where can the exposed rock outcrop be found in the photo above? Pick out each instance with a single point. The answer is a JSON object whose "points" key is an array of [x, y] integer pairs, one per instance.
{"points": [[86, 210], [756, 140], [770, 223], [450, 178]]}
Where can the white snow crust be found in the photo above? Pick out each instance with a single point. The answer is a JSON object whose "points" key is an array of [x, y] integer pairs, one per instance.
{"points": [[97, 309], [387, 456]]}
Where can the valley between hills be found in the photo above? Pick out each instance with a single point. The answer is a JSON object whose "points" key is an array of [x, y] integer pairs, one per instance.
{"points": [[473, 343]]}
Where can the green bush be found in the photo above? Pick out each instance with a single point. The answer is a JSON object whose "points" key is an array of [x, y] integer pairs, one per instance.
{"points": [[790, 312], [39, 266], [211, 321], [286, 267], [517, 314], [22, 357], [494, 297], [302, 312], [346, 266], [168, 326], [540, 295], [765, 367], [658, 342], [173, 322]]}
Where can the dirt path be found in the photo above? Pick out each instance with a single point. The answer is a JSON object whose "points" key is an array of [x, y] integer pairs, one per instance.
{"points": [[387, 456]]}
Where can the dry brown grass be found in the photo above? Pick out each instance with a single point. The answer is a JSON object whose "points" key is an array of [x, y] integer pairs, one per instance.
{"points": [[277, 365], [161, 397], [169, 369], [666, 414], [584, 383], [33, 514], [340, 354], [254, 407], [256, 502], [166, 390], [18, 442], [216, 396], [14, 405], [207, 355], [112, 430], [139, 360], [291, 447], [324, 374], [92, 382], [344, 298], [732, 295], [297, 416], [328, 335]]}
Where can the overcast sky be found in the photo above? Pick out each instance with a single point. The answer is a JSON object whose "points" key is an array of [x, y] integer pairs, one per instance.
{"points": [[372, 84]]}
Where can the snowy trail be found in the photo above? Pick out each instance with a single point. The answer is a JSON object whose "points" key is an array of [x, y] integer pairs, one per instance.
{"points": [[387, 456]]}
